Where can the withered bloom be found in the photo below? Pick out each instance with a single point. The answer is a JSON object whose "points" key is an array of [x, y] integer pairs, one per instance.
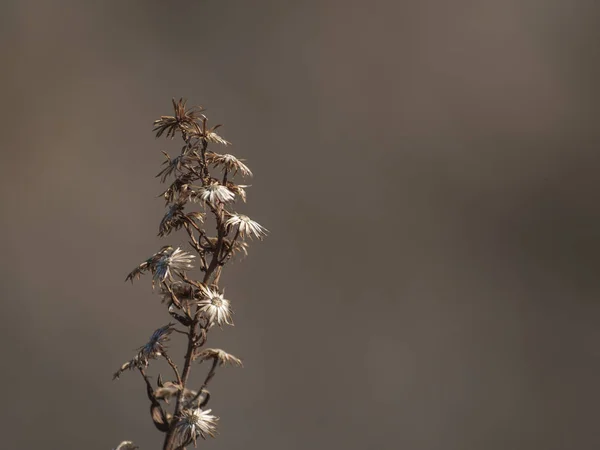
{"points": [[163, 263], [171, 220], [177, 164], [215, 192], [246, 226], [184, 292], [238, 246], [154, 348], [175, 218], [238, 189], [170, 390], [195, 423], [175, 261], [215, 307], [155, 345], [208, 134], [220, 355], [149, 263], [126, 445], [184, 121], [213, 137], [229, 163]]}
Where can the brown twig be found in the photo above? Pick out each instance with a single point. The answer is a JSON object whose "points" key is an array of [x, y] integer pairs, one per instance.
{"points": [[174, 367]]}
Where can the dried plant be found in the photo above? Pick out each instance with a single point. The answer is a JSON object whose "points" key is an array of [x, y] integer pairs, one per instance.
{"points": [[195, 305]]}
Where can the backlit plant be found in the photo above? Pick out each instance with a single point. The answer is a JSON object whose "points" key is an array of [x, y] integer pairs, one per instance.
{"points": [[203, 187]]}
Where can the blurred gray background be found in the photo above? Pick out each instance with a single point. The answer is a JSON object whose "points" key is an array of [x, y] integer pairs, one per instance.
{"points": [[429, 172]]}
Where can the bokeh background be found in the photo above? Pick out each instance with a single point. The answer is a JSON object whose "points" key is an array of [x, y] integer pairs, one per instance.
{"points": [[429, 172]]}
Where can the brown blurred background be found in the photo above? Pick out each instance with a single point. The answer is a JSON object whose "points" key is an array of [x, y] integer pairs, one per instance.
{"points": [[429, 172]]}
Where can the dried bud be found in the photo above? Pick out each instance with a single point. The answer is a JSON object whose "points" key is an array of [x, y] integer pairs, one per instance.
{"points": [[221, 356], [126, 445]]}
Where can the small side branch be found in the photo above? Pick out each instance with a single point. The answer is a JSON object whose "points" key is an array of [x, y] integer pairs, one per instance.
{"points": [[202, 389], [174, 367]]}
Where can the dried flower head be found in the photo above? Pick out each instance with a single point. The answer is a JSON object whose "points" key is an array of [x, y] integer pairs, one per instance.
{"points": [[155, 345], [229, 163], [163, 263], [184, 292], [213, 137], [179, 190], [184, 120], [148, 264], [172, 261], [175, 218], [238, 246], [214, 307], [171, 219], [126, 445], [220, 355], [194, 423], [246, 226], [238, 189], [152, 349], [169, 390], [182, 161], [130, 365], [215, 192], [209, 134]]}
